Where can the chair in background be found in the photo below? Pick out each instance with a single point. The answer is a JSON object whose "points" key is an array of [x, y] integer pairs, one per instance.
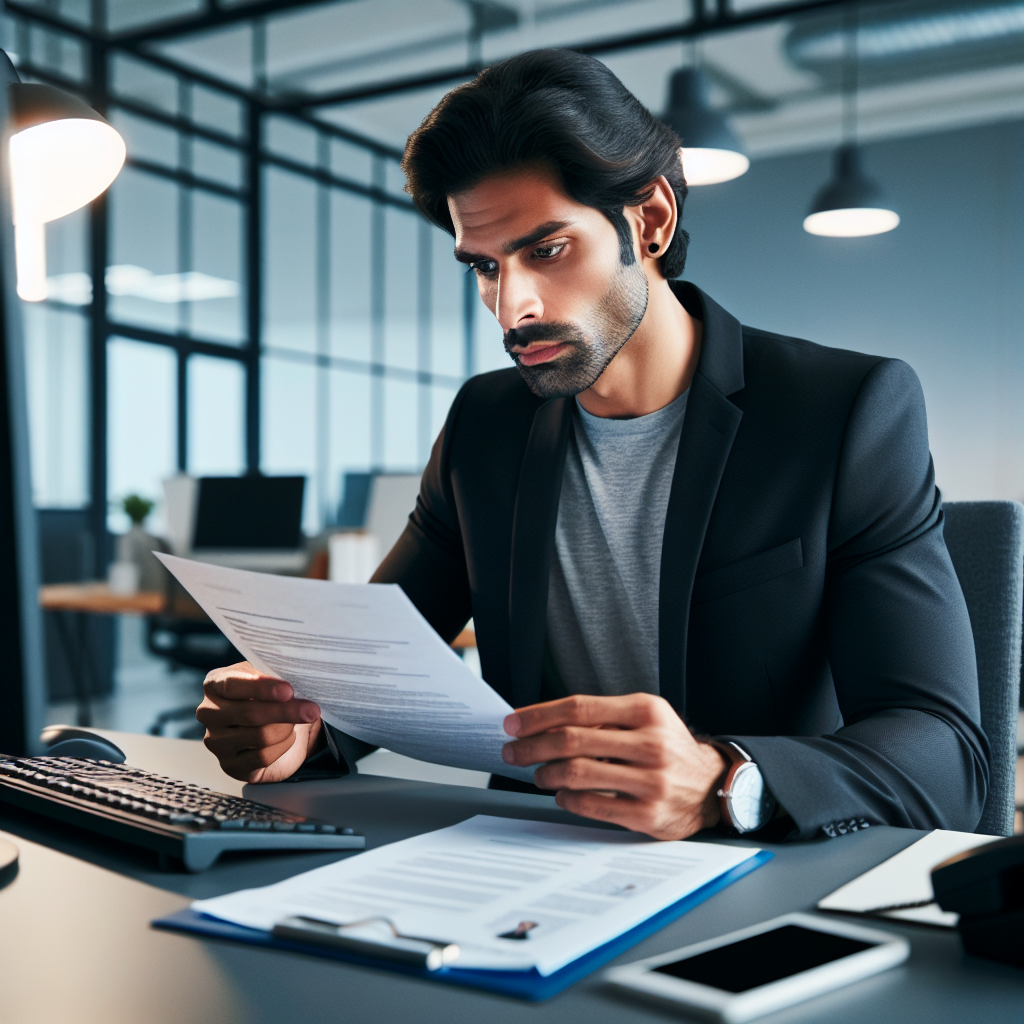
{"points": [[79, 647], [986, 543]]}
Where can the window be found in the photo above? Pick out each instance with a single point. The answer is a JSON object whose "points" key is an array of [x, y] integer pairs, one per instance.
{"points": [[367, 324], [141, 423]]}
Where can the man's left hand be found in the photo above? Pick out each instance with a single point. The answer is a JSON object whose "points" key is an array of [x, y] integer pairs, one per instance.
{"points": [[628, 760]]}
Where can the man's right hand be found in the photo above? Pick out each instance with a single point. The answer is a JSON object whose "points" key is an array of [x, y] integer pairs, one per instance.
{"points": [[255, 725]]}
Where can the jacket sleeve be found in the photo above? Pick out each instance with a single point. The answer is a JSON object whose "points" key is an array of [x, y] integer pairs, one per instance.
{"points": [[911, 751], [429, 564]]}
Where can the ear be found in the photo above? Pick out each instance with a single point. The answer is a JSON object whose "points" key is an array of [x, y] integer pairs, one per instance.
{"points": [[654, 221]]}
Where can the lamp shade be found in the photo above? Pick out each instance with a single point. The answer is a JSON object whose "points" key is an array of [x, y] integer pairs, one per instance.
{"points": [[711, 149], [851, 205], [63, 155]]}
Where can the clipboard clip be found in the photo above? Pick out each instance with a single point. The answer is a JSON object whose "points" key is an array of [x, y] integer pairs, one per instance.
{"points": [[414, 950]]}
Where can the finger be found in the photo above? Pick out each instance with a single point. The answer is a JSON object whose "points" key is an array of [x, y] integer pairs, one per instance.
{"points": [[212, 713], [247, 762], [648, 747], [235, 741], [630, 711], [635, 815], [246, 687], [583, 773], [613, 809]]}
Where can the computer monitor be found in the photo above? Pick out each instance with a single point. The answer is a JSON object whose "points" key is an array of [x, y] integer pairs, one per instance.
{"points": [[251, 513], [22, 677]]}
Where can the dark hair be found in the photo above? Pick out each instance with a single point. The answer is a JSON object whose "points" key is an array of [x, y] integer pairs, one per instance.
{"points": [[557, 109]]}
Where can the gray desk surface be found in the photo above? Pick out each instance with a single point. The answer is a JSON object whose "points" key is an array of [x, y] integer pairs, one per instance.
{"points": [[75, 941]]}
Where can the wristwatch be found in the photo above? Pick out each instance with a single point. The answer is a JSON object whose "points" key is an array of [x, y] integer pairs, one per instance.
{"points": [[745, 801]]}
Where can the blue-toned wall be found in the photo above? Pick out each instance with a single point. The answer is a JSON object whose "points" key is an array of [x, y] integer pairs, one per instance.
{"points": [[944, 291]]}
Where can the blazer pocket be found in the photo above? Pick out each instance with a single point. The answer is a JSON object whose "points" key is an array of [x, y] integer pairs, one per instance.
{"points": [[749, 572]]}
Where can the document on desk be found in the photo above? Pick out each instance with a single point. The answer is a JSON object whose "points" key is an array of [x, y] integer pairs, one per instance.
{"points": [[365, 655], [512, 894], [905, 878]]}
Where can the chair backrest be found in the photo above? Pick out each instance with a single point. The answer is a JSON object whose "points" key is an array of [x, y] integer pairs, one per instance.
{"points": [[986, 542]]}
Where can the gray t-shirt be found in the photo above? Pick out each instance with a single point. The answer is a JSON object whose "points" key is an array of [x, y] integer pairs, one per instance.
{"points": [[602, 615]]}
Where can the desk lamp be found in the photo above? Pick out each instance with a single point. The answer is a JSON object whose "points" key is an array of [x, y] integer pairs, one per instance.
{"points": [[63, 154]]}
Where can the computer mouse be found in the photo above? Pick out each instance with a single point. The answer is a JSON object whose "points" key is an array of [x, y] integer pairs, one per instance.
{"points": [[68, 741]]}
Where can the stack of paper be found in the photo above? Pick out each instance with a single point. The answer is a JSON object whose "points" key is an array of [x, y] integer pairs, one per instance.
{"points": [[513, 895]]}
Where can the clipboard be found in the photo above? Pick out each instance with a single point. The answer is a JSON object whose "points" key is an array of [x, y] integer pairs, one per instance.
{"points": [[529, 985]]}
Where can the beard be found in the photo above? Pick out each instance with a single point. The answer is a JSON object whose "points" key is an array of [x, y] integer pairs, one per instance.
{"points": [[592, 344]]}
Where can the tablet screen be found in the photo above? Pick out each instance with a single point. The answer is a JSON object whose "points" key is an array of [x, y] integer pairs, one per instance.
{"points": [[762, 959]]}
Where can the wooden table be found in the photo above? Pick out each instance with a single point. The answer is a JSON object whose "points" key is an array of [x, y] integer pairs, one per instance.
{"points": [[98, 599]]}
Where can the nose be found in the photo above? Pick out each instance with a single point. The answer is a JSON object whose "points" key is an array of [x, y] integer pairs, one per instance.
{"points": [[517, 301]]}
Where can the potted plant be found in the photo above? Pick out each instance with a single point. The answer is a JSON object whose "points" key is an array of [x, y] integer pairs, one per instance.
{"points": [[137, 546]]}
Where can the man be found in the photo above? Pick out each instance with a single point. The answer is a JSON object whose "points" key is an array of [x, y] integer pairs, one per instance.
{"points": [[686, 545]]}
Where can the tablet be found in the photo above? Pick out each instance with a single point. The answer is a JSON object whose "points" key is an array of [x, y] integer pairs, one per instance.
{"points": [[761, 969]]}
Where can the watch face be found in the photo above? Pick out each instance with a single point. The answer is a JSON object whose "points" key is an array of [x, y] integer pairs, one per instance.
{"points": [[749, 799]]}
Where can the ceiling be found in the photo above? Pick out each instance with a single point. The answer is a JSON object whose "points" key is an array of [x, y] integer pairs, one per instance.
{"points": [[923, 65]]}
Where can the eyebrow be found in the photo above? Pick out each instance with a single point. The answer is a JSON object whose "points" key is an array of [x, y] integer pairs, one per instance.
{"points": [[516, 244]]}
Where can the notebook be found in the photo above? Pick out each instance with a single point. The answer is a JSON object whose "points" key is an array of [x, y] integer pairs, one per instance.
{"points": [[901, 887]]}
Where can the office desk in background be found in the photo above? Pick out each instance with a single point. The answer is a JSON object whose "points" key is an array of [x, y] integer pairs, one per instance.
{"points": [[75, 941]]}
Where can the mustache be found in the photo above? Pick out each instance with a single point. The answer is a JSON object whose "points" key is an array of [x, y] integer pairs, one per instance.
{"points": [[554, 331]]}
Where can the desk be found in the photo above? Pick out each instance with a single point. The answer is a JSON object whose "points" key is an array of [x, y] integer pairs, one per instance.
{"points": [[75, 941]]}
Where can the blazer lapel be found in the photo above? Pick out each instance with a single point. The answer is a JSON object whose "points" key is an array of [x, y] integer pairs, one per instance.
{"points": [[533, 535], [709, 429]]}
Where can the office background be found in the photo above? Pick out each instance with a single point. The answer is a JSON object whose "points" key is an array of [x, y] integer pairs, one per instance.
{"points": [[256, 292]]}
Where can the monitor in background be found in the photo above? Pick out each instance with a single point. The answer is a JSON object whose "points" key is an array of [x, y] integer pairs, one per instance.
{"points": [[378, 503], [251, 522], [355, 497]]}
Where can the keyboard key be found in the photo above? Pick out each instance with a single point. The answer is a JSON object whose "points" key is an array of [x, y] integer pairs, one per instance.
{"points": [[283, 826]]}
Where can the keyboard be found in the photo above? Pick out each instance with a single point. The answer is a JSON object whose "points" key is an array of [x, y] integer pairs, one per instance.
{"points": [[175, 818]]}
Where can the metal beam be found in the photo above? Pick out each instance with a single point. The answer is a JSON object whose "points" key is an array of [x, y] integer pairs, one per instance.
{"points": [[700, 26], [215, 17]]}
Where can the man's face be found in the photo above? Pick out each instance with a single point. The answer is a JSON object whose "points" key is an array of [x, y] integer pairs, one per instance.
{"points": [[550, 271]]}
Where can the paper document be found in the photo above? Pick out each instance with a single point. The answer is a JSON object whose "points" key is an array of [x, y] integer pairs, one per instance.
{"points": [[905, 878], [365, 655], [513, 895]]}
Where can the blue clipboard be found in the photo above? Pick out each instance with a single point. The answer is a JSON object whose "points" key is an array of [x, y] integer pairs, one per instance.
{"points": [[522, 984]]}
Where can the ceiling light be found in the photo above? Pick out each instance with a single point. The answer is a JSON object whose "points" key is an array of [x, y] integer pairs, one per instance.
{"points": [[63, 155], [851, 205], [711, 149], [126, 279]]}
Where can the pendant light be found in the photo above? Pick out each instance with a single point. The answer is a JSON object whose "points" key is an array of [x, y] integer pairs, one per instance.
{"points": [[711, 149], [63, 155], [851, 205]]}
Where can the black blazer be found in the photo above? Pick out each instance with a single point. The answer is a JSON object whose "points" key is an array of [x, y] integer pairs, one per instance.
{"points": [[808, 607]]}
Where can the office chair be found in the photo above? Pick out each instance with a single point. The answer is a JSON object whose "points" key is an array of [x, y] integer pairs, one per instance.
{"points": [[986, 542], [187, 639]]}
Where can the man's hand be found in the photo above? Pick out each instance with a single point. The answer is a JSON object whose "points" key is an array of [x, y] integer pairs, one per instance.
{"points": [[254, 724], [629, 760]]}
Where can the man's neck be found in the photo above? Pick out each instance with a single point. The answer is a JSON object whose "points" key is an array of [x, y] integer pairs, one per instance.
{"points": [[655, 366]]}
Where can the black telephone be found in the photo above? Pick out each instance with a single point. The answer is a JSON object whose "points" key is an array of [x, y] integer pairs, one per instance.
{"points": [[985, 886]]}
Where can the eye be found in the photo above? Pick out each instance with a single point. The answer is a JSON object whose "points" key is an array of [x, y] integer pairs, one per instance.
{"points": [[548, 252], [485, 268]]}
